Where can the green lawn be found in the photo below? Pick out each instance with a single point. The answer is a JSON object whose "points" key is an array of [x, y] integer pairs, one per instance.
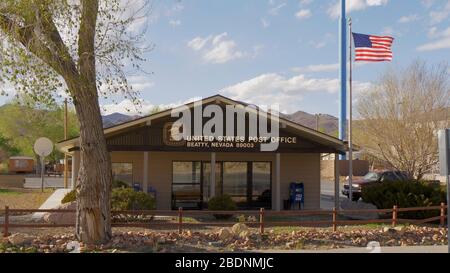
{"points": [[9, 192]]}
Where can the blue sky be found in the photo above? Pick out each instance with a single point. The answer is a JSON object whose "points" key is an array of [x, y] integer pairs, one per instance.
{"points": [[277, 51]]}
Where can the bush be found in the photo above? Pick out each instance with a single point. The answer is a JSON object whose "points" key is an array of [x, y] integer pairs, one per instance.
{"points": [[69, 197], [405, 194], [122, 199], [119, 184], [222, 203], [128, 199]]}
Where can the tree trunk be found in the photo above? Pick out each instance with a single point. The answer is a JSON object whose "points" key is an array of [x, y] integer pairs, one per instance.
{"points": [[94, 182]]}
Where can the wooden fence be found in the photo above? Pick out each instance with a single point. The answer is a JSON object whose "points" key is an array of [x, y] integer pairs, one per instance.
{"points": [[260, 217]]}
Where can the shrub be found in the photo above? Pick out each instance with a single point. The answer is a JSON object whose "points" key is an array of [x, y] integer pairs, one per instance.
{"points": [[119, 184], [405, 194], [122, 199], [128, 199], [69, 197], [222, 203]]}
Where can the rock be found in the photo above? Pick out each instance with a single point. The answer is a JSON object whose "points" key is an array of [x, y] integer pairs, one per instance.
{"points": [[389, 230], [400, 229], [244, 234], [290, 244], [161, 240], [238, 228], [392, 242], [58, 218], [20, 239], [225, 234]]}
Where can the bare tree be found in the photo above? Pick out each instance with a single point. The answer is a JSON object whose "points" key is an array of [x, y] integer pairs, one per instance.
{"points": [[78, 47], [399, 117]]}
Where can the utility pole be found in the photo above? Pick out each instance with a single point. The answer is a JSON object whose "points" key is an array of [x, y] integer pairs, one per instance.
{"points": [[66, 167], [317, 122]]}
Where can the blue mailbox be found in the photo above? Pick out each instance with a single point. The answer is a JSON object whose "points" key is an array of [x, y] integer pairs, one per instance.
{"points": [[297, 195]]}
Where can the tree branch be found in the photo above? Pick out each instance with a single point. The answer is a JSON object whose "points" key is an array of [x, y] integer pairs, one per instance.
{"points": [[26, 36]]}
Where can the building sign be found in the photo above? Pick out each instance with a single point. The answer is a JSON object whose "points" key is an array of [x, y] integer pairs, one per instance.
{"points": [[171, 131], [239, 142]]}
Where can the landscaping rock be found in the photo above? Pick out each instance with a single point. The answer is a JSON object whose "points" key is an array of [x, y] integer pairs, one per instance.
{"points": [[225, 234], [244, 234], [59, 218], [20, 239], [239, 228]]}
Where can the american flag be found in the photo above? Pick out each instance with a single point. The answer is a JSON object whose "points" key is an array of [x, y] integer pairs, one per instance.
{"points": [[371, 48]]}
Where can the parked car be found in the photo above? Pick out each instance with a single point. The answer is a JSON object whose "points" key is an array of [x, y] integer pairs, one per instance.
{"points": [[370, 178]]}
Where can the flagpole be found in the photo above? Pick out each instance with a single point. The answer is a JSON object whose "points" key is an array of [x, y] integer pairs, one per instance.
{"points": [[343, 74], [350, 128]]}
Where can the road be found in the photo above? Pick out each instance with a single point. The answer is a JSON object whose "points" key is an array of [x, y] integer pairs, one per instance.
{"points": [[327, 194]]}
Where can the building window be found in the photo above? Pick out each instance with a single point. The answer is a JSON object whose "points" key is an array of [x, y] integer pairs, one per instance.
{"points": [[248, 183], [123, 172]]}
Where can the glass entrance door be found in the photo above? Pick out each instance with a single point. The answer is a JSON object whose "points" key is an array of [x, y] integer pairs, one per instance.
{"points": [[186, 185]]}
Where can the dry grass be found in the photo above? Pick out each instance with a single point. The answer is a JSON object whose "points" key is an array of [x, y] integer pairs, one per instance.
{"points": [[17, 198]]}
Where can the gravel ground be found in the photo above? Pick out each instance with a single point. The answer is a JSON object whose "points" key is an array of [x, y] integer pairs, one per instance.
{"points": [[239, 238]]}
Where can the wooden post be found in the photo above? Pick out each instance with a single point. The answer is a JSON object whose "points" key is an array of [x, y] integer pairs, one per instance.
{"points": [[394, 216], [334, 219], [261, 221], [180, 220], [442, 214], [6, 224]]}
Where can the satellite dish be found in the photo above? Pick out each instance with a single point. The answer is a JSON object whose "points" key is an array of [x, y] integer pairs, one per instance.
{"points": [[43, 147]]}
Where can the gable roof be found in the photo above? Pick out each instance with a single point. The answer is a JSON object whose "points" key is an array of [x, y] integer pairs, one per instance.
{"points": [[322, 138]]}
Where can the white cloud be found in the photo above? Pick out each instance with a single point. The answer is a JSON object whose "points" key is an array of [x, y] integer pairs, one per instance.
{"points": [[326, 39], [354, 5], [438, 16], [408, 19], [435, 45], [276, 10], [175, 23], [140, 83], [427, 3], [441, 40], [217, 49], [273, 88], [7, 89], [305, 2], [127, 107], [265, 23], [174, 9], [303, 14], [388, 31], [317, 68]]}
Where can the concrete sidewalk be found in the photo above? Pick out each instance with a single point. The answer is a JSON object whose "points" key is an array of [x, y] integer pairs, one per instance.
{"points": [[52, 202], [407, 249]]}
